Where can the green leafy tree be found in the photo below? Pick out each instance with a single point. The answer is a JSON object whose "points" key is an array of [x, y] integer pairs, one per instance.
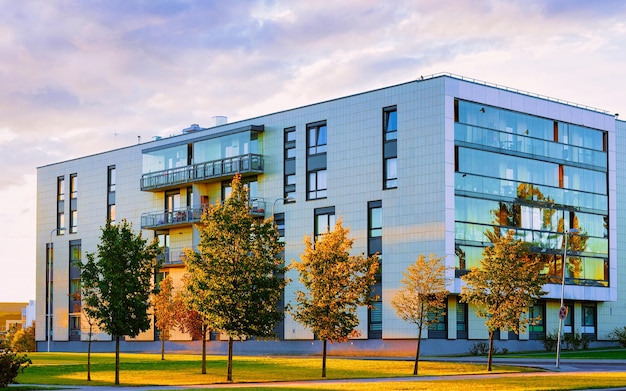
{"points": [[508, 282], [422, 299], [235, 280], [336, 285], [118, 281], [24, 340], [164, 311]]}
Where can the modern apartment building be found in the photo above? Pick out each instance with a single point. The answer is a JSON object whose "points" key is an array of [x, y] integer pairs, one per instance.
{"points": [[422, 167]]}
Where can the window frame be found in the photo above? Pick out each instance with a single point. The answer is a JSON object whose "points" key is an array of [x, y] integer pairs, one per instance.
{"points": [[317, 138]]}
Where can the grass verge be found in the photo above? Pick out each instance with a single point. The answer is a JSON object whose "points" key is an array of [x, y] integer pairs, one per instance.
{"points": [[182, 369], [62, 369]]}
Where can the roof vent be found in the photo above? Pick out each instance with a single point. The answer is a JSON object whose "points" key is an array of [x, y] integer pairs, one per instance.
{"points": [[218, 120], [192, 128]]}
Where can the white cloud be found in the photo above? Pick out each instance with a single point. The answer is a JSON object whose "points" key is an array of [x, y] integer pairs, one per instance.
{"points": [[116, 70]]}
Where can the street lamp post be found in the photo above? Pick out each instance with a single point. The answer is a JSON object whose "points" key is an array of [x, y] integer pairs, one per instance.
{"points": [[562, 309], [288, 199], [49, 298]]}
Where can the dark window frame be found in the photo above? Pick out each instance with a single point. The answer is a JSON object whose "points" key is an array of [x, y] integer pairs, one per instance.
{"points": [[289, 162], [319, 143], [111, 187], [329, 212], [390, 146], [374, 245]]}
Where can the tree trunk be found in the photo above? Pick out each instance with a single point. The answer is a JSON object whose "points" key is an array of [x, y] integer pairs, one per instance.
{"points": [[117, 360], [229, 376], [162, 348], [89, 356], [417, 350], [204, 329], [324, 359], [490, 357]]}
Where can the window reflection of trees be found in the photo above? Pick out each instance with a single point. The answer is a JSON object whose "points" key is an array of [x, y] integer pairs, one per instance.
{"points": [[544, 237]]}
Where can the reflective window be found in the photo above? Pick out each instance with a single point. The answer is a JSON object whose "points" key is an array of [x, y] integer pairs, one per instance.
{"points": [[325, 220], [317, 139], [391, 173], [317, 184], [165, 159], [73, 186], [536, 316], [588, 320], [514, 168], [390, 123], [375, 221]]}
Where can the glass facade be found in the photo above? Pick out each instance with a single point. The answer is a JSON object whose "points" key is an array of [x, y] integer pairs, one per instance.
{"points": [[537, 176], [201, 151]]}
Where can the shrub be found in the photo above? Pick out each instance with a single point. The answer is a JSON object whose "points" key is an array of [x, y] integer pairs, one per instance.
{"points": [[550, 340], [10, 365], [618, 335], [575, 341], [481, 348]]}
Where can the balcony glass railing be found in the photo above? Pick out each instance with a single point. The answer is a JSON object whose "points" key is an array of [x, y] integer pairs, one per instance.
{"points": [[186, 216], [215, 169], [172, 256], [175, 217]]}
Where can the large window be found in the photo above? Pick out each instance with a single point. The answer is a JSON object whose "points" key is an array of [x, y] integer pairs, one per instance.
{"points": [[391, 173], [73, 186], [461, 320], [390, 123], [249, 183], [588, 321], [390, 147], [374, 246], [324, 220], [317, 138], [317, 171], [289, 167], [60, 203], [318, 184], [537, 314], [74, 304], [73, 203], [111, 186], [437, 328], [544, 176]]}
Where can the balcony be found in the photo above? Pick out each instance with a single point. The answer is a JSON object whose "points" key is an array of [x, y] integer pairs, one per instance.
{"points": [[188, 216], [172, 257], [203, 172], [164, 218]]}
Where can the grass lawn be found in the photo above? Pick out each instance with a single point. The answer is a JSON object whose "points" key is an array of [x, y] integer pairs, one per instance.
{"points": [[57, 369], [181, 369]]}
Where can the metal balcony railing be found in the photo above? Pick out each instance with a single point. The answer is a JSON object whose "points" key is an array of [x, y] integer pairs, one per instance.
{"points": [[186, 216], [171, 257], [216, 169], [162, 218]]}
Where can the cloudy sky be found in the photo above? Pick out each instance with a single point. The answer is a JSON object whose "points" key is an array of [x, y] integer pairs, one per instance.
{"points": [[81, 77]]}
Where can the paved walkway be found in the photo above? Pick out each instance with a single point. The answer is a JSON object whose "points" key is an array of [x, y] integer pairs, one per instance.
{"points": [[566, 365]]}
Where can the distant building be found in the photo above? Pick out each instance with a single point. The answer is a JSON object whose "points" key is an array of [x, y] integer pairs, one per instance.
{"points": [[29, 313], [417, 168], [12, 314]]}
